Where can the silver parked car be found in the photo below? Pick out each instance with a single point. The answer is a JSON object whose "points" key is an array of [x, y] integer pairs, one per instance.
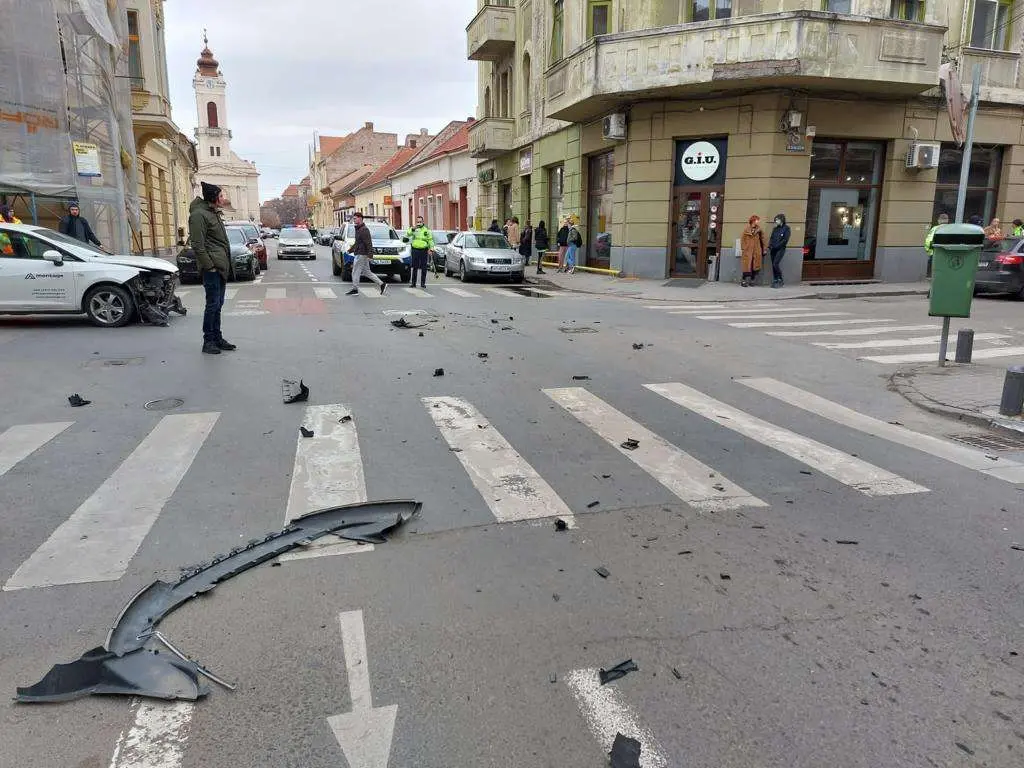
{"points": [[295, 241], [483, 254]]}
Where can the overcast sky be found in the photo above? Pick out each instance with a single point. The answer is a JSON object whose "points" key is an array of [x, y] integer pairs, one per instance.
{"points": [[298, 66]]}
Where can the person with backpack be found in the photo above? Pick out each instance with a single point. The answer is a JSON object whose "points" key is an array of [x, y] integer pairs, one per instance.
{"points": [[562, 241], [575, 240]]}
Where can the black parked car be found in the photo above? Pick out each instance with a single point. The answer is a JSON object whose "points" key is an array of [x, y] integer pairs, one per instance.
{"points": [[245, 264], [1001, 268]]}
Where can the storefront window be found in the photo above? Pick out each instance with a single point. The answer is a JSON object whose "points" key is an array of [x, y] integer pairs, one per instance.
{"points": [[600, 181], [982, 182], [842, 200], [555, 179]]}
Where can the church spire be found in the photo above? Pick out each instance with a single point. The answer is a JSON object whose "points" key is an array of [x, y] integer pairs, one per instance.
{"points": [[208, 66]]}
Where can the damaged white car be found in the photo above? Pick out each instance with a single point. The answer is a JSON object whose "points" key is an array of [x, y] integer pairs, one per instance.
{"points": [[46, 272]]}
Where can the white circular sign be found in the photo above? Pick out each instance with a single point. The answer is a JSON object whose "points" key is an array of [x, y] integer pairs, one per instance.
{"points": [[700, 161]]}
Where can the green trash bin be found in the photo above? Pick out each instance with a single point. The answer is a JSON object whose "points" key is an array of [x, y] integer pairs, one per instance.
{"points": [[954, 265]]}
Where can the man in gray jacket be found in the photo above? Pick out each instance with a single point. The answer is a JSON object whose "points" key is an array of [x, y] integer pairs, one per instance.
{"points": [[212, 248]]}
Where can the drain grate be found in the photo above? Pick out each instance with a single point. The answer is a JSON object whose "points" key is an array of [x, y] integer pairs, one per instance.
{"points": [[166, 404], [991, 442]]}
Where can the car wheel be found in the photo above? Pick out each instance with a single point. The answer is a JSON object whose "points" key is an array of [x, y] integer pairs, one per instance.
{"points": [[109, 306], [463, 275], [447, 272]]}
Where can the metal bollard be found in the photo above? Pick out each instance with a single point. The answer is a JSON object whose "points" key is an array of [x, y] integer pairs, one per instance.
{"points": [[964, 345], [1012, 403]]}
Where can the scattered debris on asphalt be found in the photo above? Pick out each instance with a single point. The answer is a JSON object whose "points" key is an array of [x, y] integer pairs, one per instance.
{"points": [[603, 572], [553, 678], [345, 419], [916, 597], [964, 748], [1017, 547], [581, 378], [621, 669], [494, 320], [806, 472], [556, 597], [77, 401], [507, 328], [421, 333], [593, 504], [158, 635], [847, 541], [686, 552], [725, 577], [561, 525], [306, 432], [580, 329], [438, 372], [630, 444], [676, 674], [294, 391], [638, 346], [125, 666], [625, 752], [482, 355], [455, 450]]}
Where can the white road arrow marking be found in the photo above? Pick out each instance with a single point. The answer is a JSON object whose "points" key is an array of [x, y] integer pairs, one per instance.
{"points": [[607, 714], [365, 733]]}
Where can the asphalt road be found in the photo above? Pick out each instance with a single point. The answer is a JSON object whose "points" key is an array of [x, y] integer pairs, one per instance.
{"points": [[762, 639]]}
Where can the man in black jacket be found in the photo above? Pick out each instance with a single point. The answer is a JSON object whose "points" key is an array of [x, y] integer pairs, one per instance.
{"points": [[362, 250], [562, 241], [77, 226], [777, 248]]}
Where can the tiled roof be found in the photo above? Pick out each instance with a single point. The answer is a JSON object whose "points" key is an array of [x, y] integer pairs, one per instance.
{"points": [[292, 190], [382, 174], [458, 142]]}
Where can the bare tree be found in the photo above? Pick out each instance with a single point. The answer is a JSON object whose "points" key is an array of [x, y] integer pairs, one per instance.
{"points": [[290, 210], [269, 217]]}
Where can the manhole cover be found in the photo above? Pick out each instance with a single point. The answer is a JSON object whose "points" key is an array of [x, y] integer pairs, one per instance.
{"points": [[166, 404], [581, 329], [992, 442], [113, 362]]}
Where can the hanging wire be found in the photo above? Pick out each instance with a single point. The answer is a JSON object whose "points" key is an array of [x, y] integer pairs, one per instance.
{"points": [[1009, 22]]}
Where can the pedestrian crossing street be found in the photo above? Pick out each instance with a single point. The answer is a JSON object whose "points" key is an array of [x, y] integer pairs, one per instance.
{"points": [[874, 339], [257, 298], [99, 539]]}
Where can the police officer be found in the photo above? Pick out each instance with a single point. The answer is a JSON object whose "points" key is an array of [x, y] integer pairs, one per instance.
{"points": [[421, 241]]}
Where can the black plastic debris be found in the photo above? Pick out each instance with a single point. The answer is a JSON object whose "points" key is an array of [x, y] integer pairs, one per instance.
{"points": [[306, 432], [603, 572], [638, 346], [725, 577], [421, 333], [806, 472], [963, 747], [847, 541], [345, 419], [621, 669], [125, 666], [630, 444], [438, 372], [581, 378], [400, 323], [494, 320], [676, 674], [294, 391], [1017, 547], [625, 752], [482, 355], [77, 401], [561, 525], [593, 504]]}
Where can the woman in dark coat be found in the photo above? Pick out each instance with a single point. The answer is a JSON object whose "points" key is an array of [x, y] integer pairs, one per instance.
{"points": [[543, 243], [526, 243]]}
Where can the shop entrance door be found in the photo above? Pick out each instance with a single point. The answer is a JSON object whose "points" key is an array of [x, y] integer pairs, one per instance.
{"points": [[696, 235]]}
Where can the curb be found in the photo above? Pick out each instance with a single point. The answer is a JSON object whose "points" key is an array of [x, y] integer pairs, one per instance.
{"points": [[900, 382]]}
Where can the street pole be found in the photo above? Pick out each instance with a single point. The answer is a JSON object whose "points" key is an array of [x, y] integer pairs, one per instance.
{"points": [[961, 193]]}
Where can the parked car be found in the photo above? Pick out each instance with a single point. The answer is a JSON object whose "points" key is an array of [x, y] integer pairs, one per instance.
{"points": [[1001, 268], [252, 235], [390, 254], [295, 241], [326, 235], [245, 265], [442, 239], [483, 254], [46, 272]]}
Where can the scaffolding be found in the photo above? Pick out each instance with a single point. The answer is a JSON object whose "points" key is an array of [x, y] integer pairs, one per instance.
{"points": [[65, 94]]}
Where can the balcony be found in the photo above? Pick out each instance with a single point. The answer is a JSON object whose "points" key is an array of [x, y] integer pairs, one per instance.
{"points": [[491, 35], [999, 69], [491, 137], [797, 49], [151, 118]]}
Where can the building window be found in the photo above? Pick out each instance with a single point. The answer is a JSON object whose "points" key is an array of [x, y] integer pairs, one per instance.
{"points": [[557, 30], [705, 10], [134, 52], [836, 6], [555, 210], [982, 182], [907, 10], [527, 76], [598, 17], [487, 102], [212, 119], [990, 27]]}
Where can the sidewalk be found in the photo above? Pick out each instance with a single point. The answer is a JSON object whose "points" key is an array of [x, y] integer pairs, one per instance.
{"points": [[683, 290], [968, 393]]}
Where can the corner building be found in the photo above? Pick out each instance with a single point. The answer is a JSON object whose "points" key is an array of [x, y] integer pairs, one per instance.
{"points": [[663, 125]]}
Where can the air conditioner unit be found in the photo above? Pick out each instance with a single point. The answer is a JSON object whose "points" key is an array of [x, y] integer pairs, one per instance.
{"points": [[614, 127], [923, 155]]}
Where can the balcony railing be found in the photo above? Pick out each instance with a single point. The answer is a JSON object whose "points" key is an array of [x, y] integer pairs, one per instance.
{"points": [[491, 137], [999, 69], [491, 35], [795, 49]]}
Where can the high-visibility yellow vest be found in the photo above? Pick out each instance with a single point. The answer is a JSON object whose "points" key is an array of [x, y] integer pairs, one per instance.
{"points": [[420, 237]]}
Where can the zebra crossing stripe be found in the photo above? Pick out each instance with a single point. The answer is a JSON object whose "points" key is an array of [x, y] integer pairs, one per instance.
{"points": [[100, 538], [694, 482], [706, 307], [20, 442], [417, 292], [323, 292], [857, 331], [779, 316], [752, 311], [276, 293], [328, 472], [460, 292], [230, 293], [809, 323], [847, 469], [926, 357], [915, 341], [508, 484], [957, 453], [156, 737]]}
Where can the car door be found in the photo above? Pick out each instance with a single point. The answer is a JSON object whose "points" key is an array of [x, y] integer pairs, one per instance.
{"points": [[28, 282], [454, 257]]}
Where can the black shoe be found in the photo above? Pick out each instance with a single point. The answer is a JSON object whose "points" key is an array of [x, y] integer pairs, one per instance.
{"points": [[226, 345], [211, 348], [383, 288], [353, 292], [541, 272], [424, 286]]}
